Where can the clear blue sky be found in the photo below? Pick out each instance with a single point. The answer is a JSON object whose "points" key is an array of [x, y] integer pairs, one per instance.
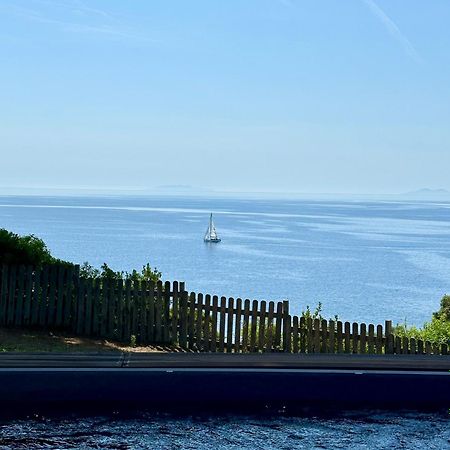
{"points": [[261, 95]]}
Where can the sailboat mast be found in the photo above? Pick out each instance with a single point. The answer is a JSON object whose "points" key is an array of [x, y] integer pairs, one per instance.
{"points": [[210, 225]]}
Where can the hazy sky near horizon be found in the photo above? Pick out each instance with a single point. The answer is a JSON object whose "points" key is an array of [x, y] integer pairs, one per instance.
{"points": [[260, 95]]}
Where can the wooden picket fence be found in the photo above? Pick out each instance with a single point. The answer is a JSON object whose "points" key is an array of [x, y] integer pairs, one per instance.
{"points": [[56, 298]]}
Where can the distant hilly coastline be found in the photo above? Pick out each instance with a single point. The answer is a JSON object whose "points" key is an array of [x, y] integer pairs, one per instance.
{"points": [[428, 194]]}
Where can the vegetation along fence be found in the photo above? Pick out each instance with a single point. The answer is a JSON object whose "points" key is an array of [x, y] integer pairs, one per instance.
{"points": [[57, 298]]}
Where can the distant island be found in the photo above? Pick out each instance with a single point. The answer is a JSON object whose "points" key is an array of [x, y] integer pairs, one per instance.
{"points": [[427, 193]]}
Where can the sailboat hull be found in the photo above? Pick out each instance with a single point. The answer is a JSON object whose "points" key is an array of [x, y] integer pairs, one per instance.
{"points": [[213, 240]]}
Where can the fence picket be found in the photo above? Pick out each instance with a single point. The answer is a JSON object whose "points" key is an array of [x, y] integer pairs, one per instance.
{"points": [[331, 344], [28, 295], [295, 335], [347, 337], [215, 312], [230, 317], [12, 294], [51, 312], [175, 314], [246, 326], [269, 343], [222, 318], [355, 337], [237, 339], [323, 336], [339, 346], [371, 340], [363, 339], [166, 323], [316, 336], [379, 339], [183, 320], [18, 316], [309, 335], [278, 322], [35, 299], [60, 296], [253, 336], [262, 327], [207, 324], [4, 290], [191, 326], [303, 334], [199, 322]]}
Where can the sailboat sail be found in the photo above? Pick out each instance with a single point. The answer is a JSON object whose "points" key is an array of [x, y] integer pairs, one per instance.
{"points": [[211, 232]]}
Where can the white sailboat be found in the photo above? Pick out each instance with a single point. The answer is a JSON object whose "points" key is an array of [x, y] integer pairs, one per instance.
{"points": [[211, 232]]}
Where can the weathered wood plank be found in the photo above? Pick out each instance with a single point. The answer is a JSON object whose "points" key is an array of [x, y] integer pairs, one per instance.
{"points": [[405, 345], [158, 312], [303, 335], [230, 317], [60, 296], [237, 341], [4, 294], [331, 341], [175, 314], [254, 327], [262, 327], [347, 337], [214, 314], [278, 325], [371, 340], [355, 337], [420, 347], [223, 306], [398, 345], [191, 323], [12, 284], [339, 337], [323, 336], [379, 340], [87, 319], [270, 315], [51, 311], [310, 335], [150, 296], [286, 327], [246, 326], [18, 316], [80, 320], [207, 324], [36, 294], [363, 339], [28, 295], [316, 324], [95, 308], [166, 313], [183, 320], [199, 322], [43, 297], [295, 335]]}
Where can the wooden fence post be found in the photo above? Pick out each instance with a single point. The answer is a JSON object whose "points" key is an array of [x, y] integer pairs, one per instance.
{"points": [[286, 327]]}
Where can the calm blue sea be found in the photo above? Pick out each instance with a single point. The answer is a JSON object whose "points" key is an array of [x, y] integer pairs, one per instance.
{"points": [[365, 261]]}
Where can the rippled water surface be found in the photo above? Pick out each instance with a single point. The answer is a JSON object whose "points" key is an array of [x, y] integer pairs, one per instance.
{"points": [[374, 430], [365, 261]]}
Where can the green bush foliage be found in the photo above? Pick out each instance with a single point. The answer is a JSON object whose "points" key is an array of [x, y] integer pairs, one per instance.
{"points": [[436, 331], [105, 272], [27, 250]]}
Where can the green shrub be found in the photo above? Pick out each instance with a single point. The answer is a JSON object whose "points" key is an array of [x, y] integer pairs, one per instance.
{"points": [[27, 250], [105, 272]]}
